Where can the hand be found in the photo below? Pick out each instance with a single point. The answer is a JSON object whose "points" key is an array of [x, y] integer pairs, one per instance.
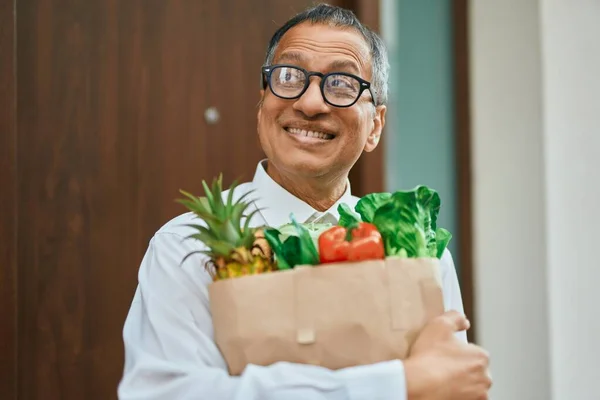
{"points": [[441, 367]]}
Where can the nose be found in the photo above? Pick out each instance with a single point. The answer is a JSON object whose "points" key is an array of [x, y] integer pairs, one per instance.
{"points": [[311, 103]]}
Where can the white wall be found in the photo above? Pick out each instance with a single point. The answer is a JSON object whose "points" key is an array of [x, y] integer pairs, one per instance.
{"points": [[536, 137], [571, 70], [509, 215]]}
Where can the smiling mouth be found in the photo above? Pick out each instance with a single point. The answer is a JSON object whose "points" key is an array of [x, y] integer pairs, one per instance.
{"points": [[307, 133]]}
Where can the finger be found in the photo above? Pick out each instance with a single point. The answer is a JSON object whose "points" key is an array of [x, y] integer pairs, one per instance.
{"points": [[456, 321]]}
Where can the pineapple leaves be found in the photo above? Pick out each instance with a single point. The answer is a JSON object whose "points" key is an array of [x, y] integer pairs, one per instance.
{"points": [[205, 252], [217, 246], [229, 207], [209, 195], [223, 231], [218, 205], [198, 205], [249, 219], [200, 228], [237, 212]]}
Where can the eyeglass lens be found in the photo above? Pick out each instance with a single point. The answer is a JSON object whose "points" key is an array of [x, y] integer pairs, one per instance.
{"points": [[288, 82]]}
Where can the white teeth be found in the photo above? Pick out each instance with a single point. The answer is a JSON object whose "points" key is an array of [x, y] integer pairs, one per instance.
{"points": [[315, 134]]}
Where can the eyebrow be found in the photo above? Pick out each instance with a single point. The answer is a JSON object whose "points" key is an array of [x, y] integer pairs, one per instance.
{"points": [[344, 65], [337, 65], [292, 56]]}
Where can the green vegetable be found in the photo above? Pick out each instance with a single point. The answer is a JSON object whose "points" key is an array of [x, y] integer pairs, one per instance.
{"points": [[367, 205], [430, 201], [401, 223], [273, 236], [347, 217], [442, 238], [407, 220], [314, 230], [298, 248]]}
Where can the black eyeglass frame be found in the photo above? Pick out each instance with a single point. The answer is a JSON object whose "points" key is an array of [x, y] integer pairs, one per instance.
{"points": [[364, 85]]}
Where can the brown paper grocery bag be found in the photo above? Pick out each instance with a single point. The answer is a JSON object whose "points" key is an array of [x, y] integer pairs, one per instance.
{"points": [[334, 315]]}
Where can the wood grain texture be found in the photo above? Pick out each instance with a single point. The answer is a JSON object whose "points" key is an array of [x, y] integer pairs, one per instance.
{"points": [[368, 175], [460, 21], [8, 203], [110, 113]]}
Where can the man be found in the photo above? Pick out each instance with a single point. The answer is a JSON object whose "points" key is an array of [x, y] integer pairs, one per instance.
{"points": [[322, 105]]}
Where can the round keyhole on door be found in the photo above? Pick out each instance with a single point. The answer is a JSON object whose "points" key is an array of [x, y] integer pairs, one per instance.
{"points": [[211, 115]]}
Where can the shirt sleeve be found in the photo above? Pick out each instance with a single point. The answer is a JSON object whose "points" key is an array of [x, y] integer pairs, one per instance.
{"points": [[451, 288], [170, 352]]}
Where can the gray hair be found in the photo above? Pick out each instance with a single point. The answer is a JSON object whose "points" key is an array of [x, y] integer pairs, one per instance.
{"points": [[341, 17]]}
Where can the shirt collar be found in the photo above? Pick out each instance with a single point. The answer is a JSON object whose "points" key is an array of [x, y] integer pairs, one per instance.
{"points": [[276, 204]]}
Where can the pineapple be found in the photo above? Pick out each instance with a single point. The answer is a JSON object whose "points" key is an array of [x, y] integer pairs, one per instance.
{"points": [[234, 249]]}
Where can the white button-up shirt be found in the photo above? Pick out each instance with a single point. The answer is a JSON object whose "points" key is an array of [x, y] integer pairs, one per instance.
{"points": [[168, 335]]}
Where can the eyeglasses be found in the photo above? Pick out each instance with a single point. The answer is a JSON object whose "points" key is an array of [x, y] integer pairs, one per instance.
{"points": [[340, 89]]}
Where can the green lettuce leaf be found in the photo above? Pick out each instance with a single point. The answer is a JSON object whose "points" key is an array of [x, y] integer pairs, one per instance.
{"points": [[429, 199], [309, 255], [442, 237], [314, 230], [293, 245], [368, 204], [273, 236], [347, 217], [407, 221], [401, 223]]}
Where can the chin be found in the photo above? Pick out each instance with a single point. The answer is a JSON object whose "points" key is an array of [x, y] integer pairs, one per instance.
{"points": [[301, 164]]}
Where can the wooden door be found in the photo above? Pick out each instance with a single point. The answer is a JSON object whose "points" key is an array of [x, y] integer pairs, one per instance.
{"points": [[8, 204], [105, 122]]}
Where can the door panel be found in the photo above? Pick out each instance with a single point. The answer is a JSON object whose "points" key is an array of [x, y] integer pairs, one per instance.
{"points": [[8, 204], [110, 119]]}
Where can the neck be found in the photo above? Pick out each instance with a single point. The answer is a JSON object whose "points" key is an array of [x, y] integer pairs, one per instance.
{"points": [[320, 193]]}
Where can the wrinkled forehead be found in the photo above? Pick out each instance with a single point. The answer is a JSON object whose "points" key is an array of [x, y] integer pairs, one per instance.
{"points": [[325, 48]]}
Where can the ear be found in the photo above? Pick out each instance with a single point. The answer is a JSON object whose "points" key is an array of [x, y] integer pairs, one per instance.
{"points": [[260, 102], [378, 124]]}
